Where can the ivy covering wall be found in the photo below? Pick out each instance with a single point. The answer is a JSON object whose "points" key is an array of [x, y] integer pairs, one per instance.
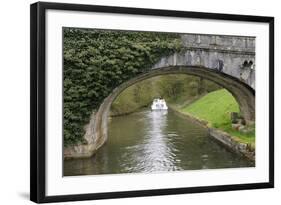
{"points": [[96, 61]]}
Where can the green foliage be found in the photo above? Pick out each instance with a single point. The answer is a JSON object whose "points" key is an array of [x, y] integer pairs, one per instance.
{"points": [[172, 86], [133, 98], [216, 108], [243, 137], [176, 89], [96, 61], [181, 88]]}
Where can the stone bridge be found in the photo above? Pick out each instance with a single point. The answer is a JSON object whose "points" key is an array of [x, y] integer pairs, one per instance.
{"points": [[226, 60]]}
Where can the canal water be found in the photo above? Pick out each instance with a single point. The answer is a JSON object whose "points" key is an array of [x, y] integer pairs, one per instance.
{"points": [[154, 141]]}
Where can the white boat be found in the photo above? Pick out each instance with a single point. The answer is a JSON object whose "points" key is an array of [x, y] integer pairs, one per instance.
{"points": [[159, 104]]}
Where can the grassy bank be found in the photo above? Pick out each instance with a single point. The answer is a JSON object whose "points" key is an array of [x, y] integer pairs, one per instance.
{"points": [[196, 97], [215, 107]]}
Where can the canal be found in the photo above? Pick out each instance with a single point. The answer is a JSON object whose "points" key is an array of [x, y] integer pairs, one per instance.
{"points": [[153, 141]]}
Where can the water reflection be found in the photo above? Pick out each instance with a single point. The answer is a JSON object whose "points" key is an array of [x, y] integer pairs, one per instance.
{"points": [[155, 153], [157, 149], [153, 141]]}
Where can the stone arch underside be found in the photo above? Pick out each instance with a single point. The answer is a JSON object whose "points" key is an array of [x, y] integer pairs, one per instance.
{"points": [[96, 129]]}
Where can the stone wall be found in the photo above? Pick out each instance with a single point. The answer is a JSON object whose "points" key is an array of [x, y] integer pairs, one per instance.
{"points": [[232, 143], [222, 42], [226, 54], [225, 139]]}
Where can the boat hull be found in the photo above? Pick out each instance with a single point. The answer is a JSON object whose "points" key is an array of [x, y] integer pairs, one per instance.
{"points": [[159, 104]]}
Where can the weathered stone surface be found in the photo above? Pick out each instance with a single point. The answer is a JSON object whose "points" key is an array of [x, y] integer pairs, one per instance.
{"points": [[235, 126], [241, 127], [226, 54], [232, 143], [234, 117], [220, 59]]}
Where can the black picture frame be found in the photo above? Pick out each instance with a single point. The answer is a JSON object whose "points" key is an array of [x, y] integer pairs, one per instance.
{"points": [[38, 100]]}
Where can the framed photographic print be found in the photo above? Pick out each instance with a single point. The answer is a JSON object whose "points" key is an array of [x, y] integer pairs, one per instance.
{"points": [[129, 102]]}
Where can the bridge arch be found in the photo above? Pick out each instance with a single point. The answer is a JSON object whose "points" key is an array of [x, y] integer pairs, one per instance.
{"points": [[228, 61], [96, 131]]}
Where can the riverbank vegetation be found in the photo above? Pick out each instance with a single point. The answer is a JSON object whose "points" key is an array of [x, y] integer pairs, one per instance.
{"points": [[177, 89], [189, 95], [96, 61], [216, 108]]}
